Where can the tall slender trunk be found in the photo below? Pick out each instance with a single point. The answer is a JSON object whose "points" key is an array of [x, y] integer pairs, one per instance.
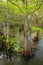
{"points": [[4, 30], [7, 36], [36, 33], [7, 39], [26, 44]]}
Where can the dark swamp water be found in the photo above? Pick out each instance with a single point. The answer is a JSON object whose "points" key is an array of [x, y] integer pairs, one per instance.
{"points": [[36, 60]]}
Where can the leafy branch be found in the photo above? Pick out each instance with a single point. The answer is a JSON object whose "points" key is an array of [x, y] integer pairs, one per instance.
{"points": [[39, 5], [17, 6], [35, 9]]}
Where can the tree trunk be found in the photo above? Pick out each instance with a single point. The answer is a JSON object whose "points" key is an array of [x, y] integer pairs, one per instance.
{"points": [[4, 29], [7, 36], [26, 44], [35, 36]]}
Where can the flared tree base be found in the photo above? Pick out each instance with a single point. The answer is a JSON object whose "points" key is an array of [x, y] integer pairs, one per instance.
{"points": [[35, 39], [25, 54]]}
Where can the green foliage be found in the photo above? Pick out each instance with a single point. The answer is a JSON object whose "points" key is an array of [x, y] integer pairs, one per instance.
{"points": [[33, 28], [2, 43], [13, 41], [13, 12]]}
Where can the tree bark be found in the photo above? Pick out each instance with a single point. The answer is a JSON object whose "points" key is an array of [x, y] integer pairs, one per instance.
{"points": [[4, 29], [26, 44], [7, 35]]}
